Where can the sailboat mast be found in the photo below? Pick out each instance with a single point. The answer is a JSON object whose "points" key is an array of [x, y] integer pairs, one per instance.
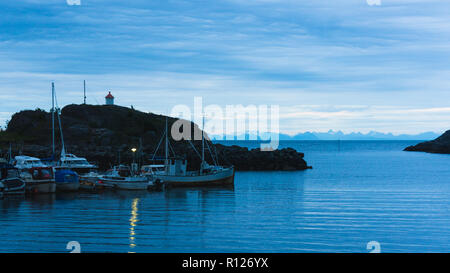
{"points": [[84, 85], [53, 118], [167, 145], [203, 144]]}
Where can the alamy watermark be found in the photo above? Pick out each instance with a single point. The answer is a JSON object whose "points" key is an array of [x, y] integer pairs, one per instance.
{"points": [[374, 247], [373, 2], [234, 122], [73, 2]]}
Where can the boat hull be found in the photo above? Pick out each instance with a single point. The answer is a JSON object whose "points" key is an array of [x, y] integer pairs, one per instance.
{"points": [[126, 185], [224, 178], [47, 186], [13, 186], [69, 186]]}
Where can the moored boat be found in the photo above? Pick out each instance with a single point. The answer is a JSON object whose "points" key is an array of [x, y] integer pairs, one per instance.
{"points": [[77, 164], [39, 180], [66, 179], [121, 177], [10, 179], [176, 175]]}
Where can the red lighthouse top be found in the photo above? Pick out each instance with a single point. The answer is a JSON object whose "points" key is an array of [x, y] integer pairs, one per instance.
{"points": [[109, 96]]}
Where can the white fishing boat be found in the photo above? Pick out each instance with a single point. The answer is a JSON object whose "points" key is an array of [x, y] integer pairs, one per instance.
{"points": [[122, 178], [176, 174]]}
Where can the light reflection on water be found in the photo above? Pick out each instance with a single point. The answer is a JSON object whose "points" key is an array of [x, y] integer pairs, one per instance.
{"points": [[366, 192], [133, 222]]}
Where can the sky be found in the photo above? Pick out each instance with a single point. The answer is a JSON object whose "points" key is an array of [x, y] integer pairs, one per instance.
{"points": [[341, 65]]}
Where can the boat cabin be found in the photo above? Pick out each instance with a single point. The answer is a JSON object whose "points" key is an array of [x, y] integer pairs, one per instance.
{"points": [[71, 160], [176, 167], [27, 162], [41, 173]]}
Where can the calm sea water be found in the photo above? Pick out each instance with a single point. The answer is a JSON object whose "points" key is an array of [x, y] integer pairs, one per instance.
{"points": [[358, 191]]}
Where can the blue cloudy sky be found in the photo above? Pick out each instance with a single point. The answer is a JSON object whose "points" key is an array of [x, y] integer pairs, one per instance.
{"points": [[342, 65]]}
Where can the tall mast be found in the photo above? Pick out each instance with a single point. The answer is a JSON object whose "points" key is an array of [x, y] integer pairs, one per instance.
{"points": [[167, 145], [84, 85], [63, 148], [53, 118], [203, 144]]}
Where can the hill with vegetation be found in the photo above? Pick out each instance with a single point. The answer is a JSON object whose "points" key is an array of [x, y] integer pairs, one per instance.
{"points": [[105, 134]]}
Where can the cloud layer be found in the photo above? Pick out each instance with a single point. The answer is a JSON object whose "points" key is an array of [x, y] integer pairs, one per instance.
{"points": [[340, 65]]}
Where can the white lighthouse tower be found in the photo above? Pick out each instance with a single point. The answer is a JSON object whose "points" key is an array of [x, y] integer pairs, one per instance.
{"points": [[109, 99]]}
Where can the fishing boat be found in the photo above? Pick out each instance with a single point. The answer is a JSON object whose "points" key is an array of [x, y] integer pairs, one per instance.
{"points": [[176, 174], [121, 177], [39, 180], [10, 180], [66, 179]]}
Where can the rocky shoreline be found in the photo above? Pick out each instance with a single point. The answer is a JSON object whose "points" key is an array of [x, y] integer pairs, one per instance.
{"points": [[440, 145], [105, 135]]}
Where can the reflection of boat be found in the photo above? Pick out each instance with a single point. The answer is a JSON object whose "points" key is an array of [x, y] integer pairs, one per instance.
{"points": [[39, 180], [10, 180], [176, 174], [121, 177], [66, 179]]}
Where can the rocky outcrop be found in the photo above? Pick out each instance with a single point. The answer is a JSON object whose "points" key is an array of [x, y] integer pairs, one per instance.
{"points": [[440, 145], [105, 135]]}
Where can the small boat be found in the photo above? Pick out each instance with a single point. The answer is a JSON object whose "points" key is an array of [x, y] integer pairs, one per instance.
{"points": [[10, 180], [92, 182], [121, 177], [1, 189], [66, 179], [39, 180]]}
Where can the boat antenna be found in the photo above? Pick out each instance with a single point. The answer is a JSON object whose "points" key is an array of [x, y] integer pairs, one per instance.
{"points": [[84, 85], [53, 118]]}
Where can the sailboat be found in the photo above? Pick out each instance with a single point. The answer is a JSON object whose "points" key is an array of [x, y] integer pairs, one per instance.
{"points": [[66, 179], [176, 174]]}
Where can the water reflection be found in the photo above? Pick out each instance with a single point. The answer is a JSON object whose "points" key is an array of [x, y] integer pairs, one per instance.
{"points": [[133, 221]]}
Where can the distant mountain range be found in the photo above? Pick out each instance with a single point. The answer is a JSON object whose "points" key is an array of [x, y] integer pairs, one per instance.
{"points": [[339, 135]]}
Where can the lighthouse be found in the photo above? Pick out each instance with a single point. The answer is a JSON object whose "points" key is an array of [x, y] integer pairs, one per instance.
{"points": [[109, 99]]}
